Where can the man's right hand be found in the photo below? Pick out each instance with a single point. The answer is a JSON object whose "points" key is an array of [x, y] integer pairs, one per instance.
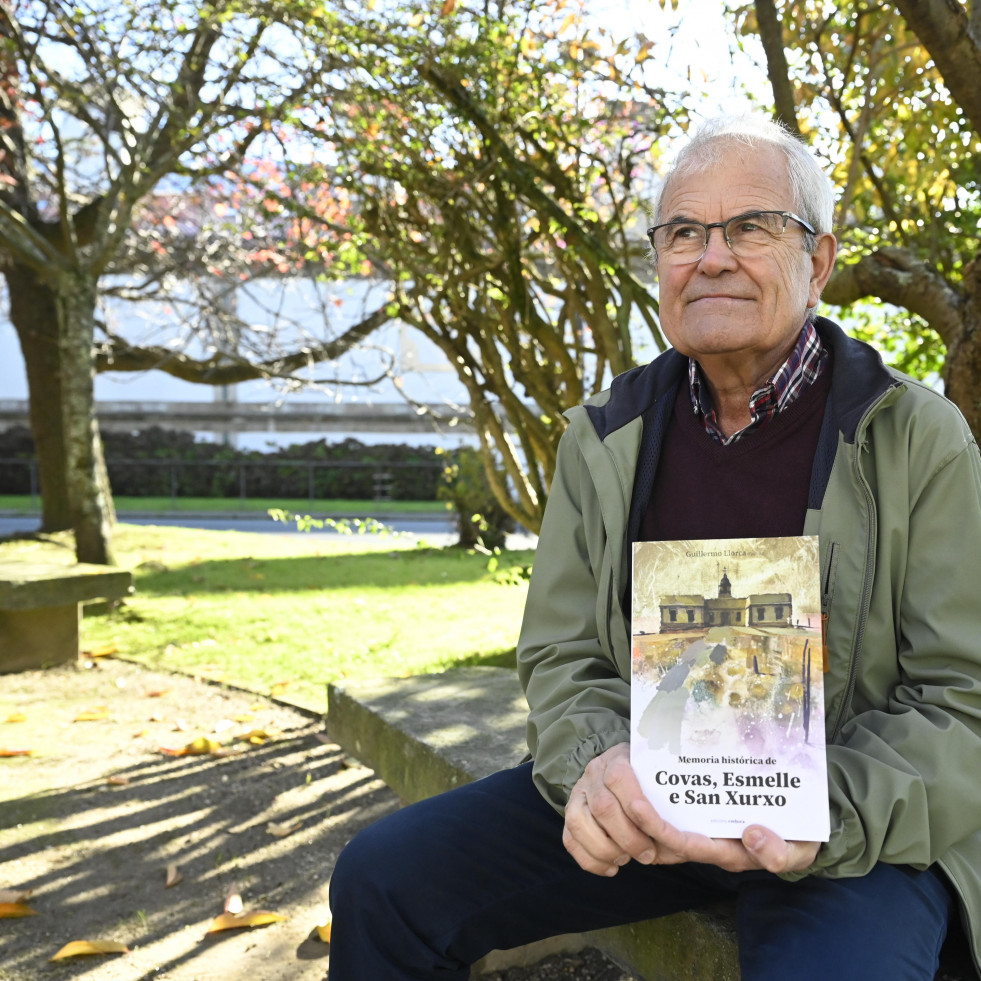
{"points": [[599, 833]]}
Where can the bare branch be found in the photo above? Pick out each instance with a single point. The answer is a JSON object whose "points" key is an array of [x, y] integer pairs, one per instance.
{"points": [[898, 277]]}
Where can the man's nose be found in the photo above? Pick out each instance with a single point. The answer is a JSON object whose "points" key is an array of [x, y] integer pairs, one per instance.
{"points": [[717, 251]]}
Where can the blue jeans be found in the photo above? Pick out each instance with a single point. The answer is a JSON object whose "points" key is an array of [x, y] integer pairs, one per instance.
{"points": [[430, 889]]}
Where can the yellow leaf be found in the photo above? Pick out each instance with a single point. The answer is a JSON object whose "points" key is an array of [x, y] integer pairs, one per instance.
{"points": [[99, 714], [174, 876], [103, 650], [279, 688], [9, 911], [323, 931], [16, 717], [201, 746], [259, 736], [415, 20], [78, 947], [157, 692], [15, 752], [232, 921], [283, 828]]}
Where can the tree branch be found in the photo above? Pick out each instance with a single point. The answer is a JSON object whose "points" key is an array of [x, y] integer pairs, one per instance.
{"points": [[944, 30], [221, 369], [777, 69], [898, 277]]}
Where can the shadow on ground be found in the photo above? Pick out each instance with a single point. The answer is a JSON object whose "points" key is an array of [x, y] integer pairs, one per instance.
{"points": [[95, 852]]}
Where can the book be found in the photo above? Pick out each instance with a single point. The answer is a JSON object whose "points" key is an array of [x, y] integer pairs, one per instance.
{"points": [[727, 685]]}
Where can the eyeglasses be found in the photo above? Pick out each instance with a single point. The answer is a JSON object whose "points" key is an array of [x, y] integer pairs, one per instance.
{"points": [[754, 233]]}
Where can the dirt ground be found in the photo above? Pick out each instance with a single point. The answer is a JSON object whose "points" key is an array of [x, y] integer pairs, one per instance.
{"points": [[93, 818]]}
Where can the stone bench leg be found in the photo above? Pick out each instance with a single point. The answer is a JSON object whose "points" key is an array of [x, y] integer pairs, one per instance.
{"points": [[38, 638]]}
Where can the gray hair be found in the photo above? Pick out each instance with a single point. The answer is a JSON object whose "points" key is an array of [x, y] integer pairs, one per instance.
{"points": [[812, 192]]}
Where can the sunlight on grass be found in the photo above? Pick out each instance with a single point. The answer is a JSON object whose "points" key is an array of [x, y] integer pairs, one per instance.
{"points": [[286, 614]]}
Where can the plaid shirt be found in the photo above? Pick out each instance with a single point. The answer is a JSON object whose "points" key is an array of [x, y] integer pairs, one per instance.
{"points": [[800, 370]]}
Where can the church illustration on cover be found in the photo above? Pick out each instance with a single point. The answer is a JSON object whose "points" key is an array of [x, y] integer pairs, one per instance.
{"points": [[693, 612]]}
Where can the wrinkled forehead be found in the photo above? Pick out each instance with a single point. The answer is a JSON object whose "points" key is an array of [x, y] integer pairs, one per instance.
{"points": [[726, 182]]}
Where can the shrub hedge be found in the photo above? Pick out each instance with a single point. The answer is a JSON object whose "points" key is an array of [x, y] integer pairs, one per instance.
{"points": [[160, 462]]}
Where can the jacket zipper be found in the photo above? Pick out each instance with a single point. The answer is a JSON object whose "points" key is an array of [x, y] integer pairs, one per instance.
{"points": [[863, 614]]}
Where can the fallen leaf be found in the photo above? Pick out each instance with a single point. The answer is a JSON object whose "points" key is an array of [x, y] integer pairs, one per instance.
{"points": [[323, 931], [244, 717], [322, 737], [15, 752], [279, 688], [222, 724], [157, 717], [233, 902], [201, 746], [102, 651], [259, 736], [14, 895], [231, 921], [16, 717], [142, 732], [99, 714], [9, 911], [79, 947], [117, 780], [157, 692], [283, 828], [180, 726], [174, 876]]}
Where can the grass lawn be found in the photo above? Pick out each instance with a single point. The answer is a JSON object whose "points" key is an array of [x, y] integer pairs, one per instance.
{"points": [[286, 614], [26, 504]]}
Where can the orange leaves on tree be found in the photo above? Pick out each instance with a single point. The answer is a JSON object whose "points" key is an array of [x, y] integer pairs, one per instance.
{"points": [[78, 948]]}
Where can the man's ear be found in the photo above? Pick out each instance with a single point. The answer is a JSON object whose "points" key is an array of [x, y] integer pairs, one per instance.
{"points": [[822, 265]]}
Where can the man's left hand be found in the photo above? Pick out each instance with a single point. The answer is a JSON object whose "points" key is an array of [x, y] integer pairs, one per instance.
{"points": [[759, 848]]}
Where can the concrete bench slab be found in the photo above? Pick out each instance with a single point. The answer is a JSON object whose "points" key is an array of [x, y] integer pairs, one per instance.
{"points": [[40, 608], [430, 733]]}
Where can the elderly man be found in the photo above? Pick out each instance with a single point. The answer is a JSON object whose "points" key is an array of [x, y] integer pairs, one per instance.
{"points": [[763, 421]]}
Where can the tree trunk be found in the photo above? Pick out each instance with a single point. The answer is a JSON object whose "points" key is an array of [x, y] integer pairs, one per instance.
{"points": [[76, 294], [962, 366], [33, 312]]}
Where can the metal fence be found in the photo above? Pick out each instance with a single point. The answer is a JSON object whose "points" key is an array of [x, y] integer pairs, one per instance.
{"points": [[242, 479]]}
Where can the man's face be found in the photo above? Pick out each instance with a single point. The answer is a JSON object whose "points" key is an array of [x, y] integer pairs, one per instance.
{"points": [[739, 309]]}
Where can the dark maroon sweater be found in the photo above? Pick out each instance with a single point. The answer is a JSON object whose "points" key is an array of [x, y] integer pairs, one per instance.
{"points": [[755, 487]]}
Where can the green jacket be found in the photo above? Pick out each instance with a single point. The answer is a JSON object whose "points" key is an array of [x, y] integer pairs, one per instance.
{"points": [[895, 499]]}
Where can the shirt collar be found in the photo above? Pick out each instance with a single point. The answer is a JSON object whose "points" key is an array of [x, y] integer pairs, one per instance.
{"points": [[791, 379]]}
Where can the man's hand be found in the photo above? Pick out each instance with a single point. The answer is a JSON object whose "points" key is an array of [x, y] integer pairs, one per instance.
{"points": [[600, 832], [609, 821], [759, 848]]}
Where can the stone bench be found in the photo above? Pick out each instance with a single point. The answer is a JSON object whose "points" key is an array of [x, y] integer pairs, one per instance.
{"points": [[431, 733], [41, 605]]}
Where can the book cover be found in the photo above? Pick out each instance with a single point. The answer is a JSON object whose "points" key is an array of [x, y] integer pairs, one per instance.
{"points": [[727, 687]]}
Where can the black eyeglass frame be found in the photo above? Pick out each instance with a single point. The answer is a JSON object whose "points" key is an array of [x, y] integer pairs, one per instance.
{"points": [[786, 215]]}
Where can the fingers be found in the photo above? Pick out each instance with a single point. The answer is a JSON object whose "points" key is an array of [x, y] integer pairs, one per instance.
{"points": [[775, 854], [599, 833]]}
